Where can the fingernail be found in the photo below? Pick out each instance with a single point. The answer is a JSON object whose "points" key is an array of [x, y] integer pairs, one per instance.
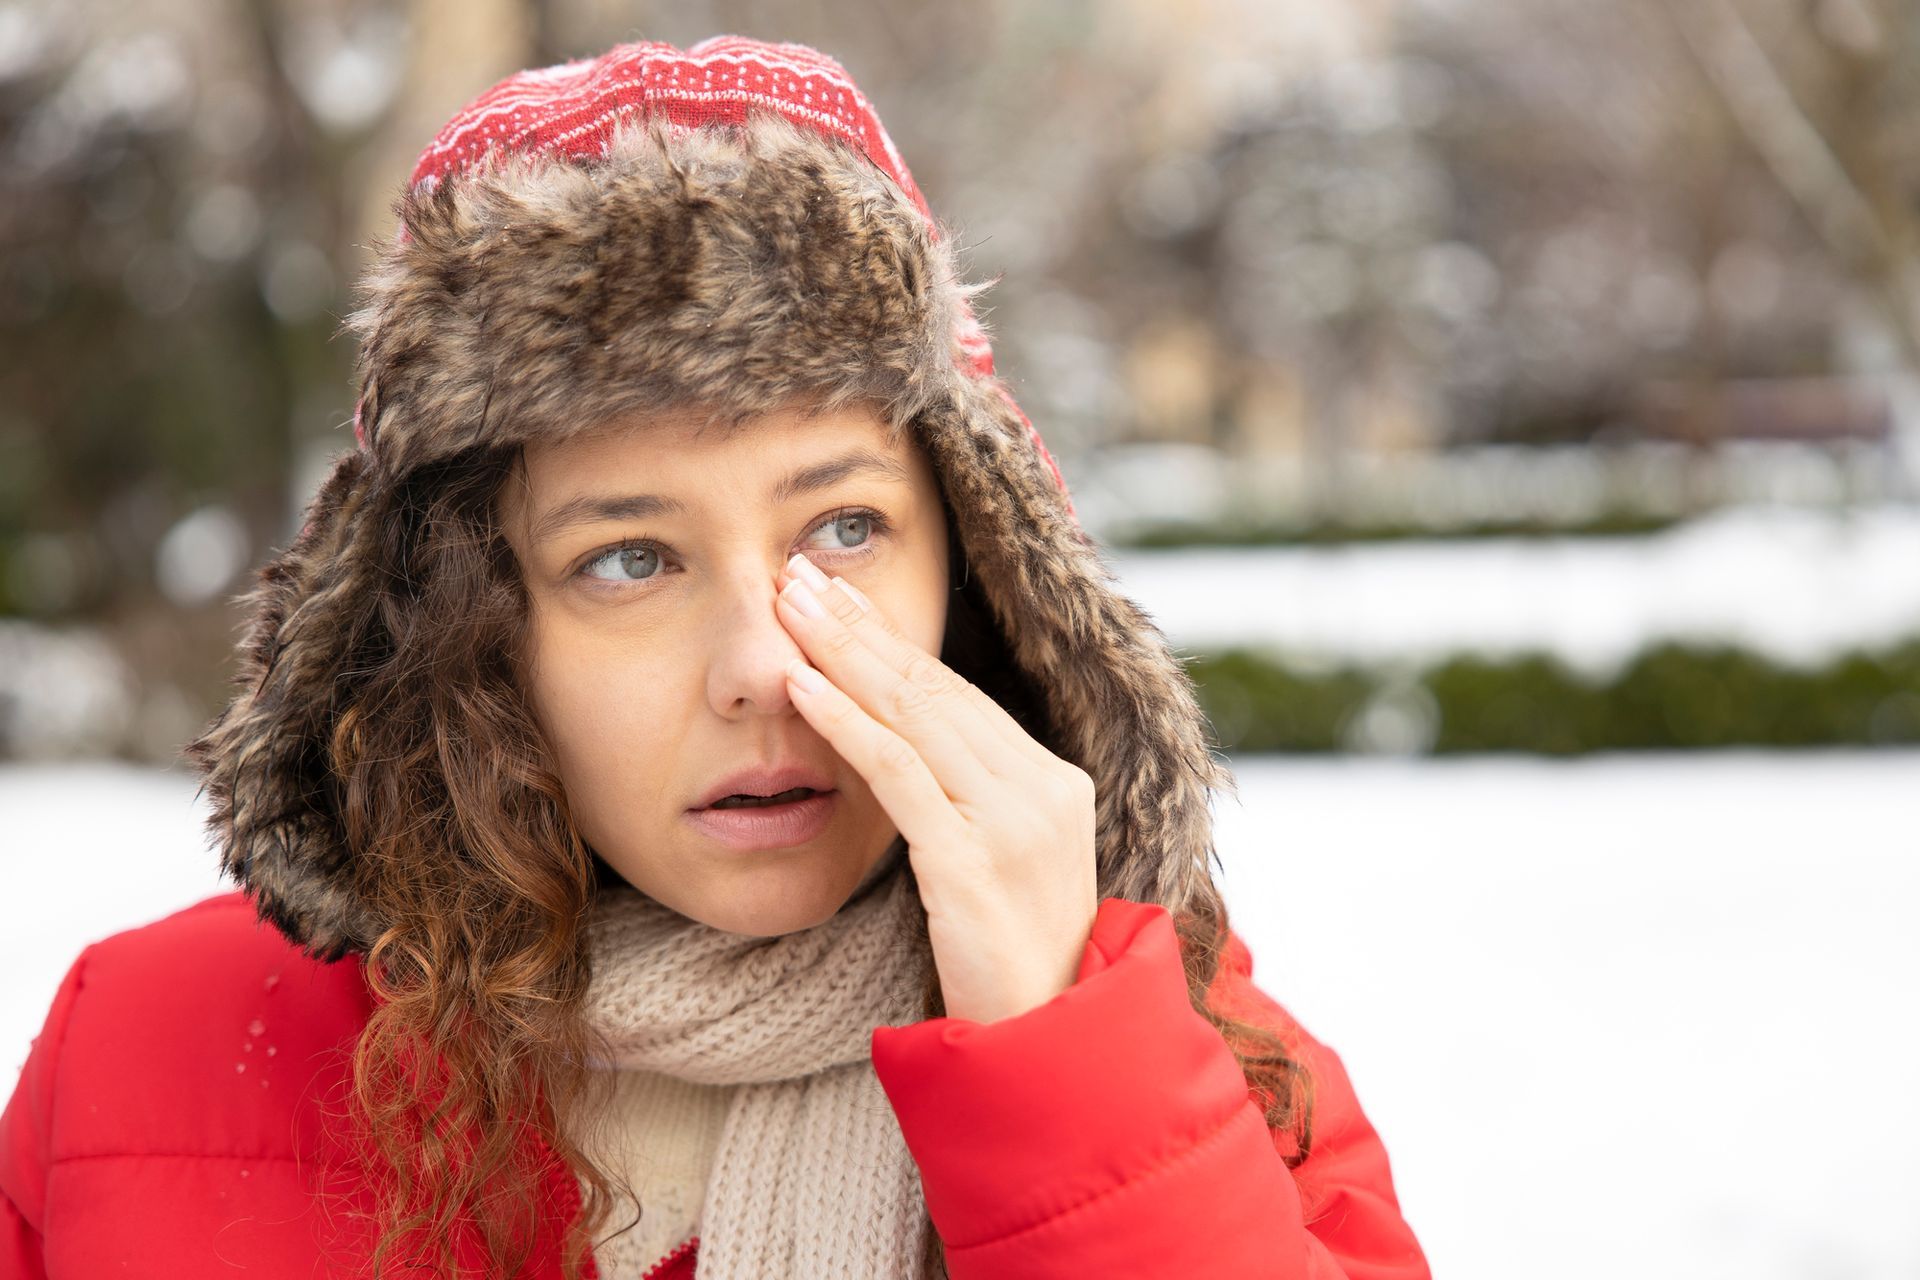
{"points": [[853, 594], [803, 568], [801, 597], [805, 676]]}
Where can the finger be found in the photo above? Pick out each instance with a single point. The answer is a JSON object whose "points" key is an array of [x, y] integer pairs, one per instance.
{"points": [[1003, 744], [897, 773], [898, 660], [941, 726]]}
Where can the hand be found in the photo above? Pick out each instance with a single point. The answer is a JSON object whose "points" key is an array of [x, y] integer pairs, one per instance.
{"points": [[998, 828]]}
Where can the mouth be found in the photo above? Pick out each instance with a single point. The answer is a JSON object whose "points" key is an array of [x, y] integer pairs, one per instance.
{"points": [[778, 821], [765, 783], [744, 801]]}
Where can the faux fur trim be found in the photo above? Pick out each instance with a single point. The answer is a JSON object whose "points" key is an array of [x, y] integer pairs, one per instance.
{"points": [[735, 270]]}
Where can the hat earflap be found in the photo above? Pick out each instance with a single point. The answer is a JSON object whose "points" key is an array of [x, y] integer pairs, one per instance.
{"points": [[266, 758]]}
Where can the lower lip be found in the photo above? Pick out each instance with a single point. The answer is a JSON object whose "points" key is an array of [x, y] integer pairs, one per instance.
{"points": [[771, 826]]}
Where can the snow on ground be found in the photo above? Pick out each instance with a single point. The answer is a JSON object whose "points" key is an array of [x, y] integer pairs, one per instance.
{"points": [[1634, 1015], [86, 850], [1798, 585]]}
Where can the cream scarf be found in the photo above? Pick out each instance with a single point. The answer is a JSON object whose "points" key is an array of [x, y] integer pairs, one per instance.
{"points": [[812, 1176]]}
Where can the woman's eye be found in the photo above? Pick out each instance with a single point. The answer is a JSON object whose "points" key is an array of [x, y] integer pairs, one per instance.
{"points": [[847, 532], [624, 564]]}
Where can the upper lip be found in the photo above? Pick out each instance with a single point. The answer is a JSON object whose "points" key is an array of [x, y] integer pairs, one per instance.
{"points": [[766, 780]]}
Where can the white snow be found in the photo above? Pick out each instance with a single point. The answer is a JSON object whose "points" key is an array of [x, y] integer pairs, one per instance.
{"points": [[1633, 1015], [1797, 585], [1636, 1015], [86, 849]]}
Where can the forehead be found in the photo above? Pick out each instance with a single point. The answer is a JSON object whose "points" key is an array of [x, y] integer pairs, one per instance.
{"points": [[692, 438], [687, 459]]}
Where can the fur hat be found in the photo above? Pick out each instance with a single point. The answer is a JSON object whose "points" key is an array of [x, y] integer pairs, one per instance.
{"points": [[726, 226]]}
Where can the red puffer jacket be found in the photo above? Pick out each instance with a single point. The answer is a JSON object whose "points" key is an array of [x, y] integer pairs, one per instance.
{"points": [[173, 1121]]}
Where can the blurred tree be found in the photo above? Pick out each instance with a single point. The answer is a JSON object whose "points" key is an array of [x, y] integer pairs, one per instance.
{"points": [[171, 217], [454, 50], [1822, 92]]}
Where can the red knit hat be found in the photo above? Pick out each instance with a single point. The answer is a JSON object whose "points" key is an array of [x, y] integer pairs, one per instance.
{"points": [[571, 110]]}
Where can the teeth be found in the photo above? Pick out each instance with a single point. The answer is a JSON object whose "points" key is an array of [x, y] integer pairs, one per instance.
{"points": [[759, 802]]}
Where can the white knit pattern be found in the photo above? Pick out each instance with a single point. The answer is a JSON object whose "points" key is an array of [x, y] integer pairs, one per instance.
{"points": [[812, 1176]]}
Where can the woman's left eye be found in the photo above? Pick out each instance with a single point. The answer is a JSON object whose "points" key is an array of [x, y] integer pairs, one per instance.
{"points": [[855, 529]]}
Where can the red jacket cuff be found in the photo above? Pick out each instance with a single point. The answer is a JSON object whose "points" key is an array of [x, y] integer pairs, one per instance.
{"points": [[1018, 1121]]}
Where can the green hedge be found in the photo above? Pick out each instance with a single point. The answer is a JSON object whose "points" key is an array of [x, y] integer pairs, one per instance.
{"points": [[1671, 697], [1228, 532]]}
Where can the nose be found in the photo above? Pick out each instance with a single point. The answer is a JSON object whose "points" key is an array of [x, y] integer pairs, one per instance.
{"points": [[748, 647]]}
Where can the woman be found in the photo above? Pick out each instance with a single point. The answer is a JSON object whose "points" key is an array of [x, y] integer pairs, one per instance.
{"points": [[711, 805]]}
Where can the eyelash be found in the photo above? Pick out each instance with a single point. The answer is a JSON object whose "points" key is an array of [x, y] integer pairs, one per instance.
{"points": [[881, 527]]}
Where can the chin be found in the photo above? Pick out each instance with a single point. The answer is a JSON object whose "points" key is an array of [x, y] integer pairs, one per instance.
{"points": [[769, 894], [779, 909]]}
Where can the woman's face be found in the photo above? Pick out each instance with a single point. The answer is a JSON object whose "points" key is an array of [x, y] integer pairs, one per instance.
{"points": [[651, 551]]}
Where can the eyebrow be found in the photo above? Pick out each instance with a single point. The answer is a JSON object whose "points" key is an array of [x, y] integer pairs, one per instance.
{"points": [[589, 509]]}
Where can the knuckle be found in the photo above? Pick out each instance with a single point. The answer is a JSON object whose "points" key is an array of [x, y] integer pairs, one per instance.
{"points": [[897, 756], [926, 673], [841, 606], [867, 618], [838, 644], [909, 701]]}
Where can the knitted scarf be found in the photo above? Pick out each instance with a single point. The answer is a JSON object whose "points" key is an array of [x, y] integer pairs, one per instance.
{"points": [[812, 1176]]}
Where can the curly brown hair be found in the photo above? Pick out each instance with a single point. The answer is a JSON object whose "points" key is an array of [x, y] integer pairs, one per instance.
{"points": [[471, 1074]]}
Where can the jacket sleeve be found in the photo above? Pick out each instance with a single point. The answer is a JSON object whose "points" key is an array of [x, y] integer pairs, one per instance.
{"points": [[1111, 1132], [26, 1140]]}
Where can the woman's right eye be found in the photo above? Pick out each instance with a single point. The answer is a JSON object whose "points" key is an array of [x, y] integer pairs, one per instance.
{"points": [[623, 564]]}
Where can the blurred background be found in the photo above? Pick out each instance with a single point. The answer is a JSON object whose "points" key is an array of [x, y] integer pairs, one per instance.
{"points": [[1509, 408]]}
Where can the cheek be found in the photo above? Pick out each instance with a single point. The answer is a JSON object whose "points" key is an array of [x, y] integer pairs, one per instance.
{"points": [[606, 719], [924, 621], [928, 625]]}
